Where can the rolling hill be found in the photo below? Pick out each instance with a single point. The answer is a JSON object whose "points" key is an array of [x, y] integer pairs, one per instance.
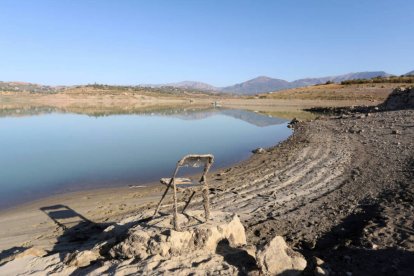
{"points": [[261, 84], [257, 85], [264, 84]]}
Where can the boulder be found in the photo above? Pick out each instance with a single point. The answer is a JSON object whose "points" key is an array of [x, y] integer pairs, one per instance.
{"points": [[277, 258]]}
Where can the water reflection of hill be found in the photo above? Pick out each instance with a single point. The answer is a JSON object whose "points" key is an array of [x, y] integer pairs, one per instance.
{"points": [[184, 113], [247, 116]]}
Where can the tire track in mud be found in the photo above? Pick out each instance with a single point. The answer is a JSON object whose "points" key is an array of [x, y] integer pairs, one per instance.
{"points": [[317, 170]]}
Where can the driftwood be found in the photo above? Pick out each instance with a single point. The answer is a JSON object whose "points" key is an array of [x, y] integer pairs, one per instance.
{"points": [[192, 160]]}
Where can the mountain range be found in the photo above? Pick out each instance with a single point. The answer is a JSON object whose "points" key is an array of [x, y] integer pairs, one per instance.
{"points": [[264, 84], [257, 85]]}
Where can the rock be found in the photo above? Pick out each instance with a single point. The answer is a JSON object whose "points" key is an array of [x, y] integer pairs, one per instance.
{"points": [[318, 261], [33, 251], [259, 150], [294, 121], [395, 131], [400, 98], [82, 258], [158, 237], [276, 258], [320, 271]]}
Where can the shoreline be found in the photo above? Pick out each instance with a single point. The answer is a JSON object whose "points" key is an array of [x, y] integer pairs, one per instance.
{"points": [[146, 186], [99, 205]]}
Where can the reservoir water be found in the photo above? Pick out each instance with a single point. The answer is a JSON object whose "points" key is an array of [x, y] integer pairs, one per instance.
{"points": [[50, 153]]}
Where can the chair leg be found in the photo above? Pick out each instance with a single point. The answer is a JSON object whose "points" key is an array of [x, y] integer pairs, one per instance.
{"points": [[175, 218], [162, 198], [206, 202], [188, 202]]}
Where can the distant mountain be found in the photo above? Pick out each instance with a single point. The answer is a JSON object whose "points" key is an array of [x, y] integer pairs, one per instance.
{"points": [[257, 85], [410, 73], [266, 84], [339, 78], [196, 85], [24, 86]]}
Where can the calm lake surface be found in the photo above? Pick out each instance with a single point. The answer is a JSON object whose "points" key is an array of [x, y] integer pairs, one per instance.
{"points": [[46, 154]]}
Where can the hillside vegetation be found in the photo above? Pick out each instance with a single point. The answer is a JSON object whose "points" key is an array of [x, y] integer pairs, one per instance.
{"points": [[389, 79], [370, 91]]}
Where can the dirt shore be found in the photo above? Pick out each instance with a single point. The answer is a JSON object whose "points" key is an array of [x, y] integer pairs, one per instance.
{"points": [[341, 189]]}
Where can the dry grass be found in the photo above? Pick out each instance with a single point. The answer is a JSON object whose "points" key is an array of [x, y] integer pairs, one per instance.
{"points": [[337, 92]]}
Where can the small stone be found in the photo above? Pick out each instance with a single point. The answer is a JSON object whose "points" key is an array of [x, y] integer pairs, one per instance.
{"points": [[259, 150], [395, 131], [294, 121], [319, 271], [318, 261]]}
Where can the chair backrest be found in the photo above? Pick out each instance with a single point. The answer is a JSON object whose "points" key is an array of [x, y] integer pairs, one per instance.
{"points": [[195, 161]]}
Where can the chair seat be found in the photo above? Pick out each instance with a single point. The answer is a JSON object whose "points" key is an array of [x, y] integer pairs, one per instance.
{"points": [[181, 183]]}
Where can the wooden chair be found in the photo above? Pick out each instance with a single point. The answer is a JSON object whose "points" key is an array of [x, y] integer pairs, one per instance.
{"points": [[194, 161]]}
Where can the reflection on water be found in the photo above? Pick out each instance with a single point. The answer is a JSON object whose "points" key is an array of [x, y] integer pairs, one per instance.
{"points": [[57, 152], [184, 113]]}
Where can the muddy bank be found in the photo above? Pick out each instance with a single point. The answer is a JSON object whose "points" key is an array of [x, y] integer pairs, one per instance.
{"points": [[341, 189]]}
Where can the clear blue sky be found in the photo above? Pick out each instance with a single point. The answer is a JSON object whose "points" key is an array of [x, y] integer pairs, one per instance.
{"points": [[218, 42]]}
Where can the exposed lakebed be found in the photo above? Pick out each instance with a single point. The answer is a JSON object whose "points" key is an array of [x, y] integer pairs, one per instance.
{"points": [[49, 153]]}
